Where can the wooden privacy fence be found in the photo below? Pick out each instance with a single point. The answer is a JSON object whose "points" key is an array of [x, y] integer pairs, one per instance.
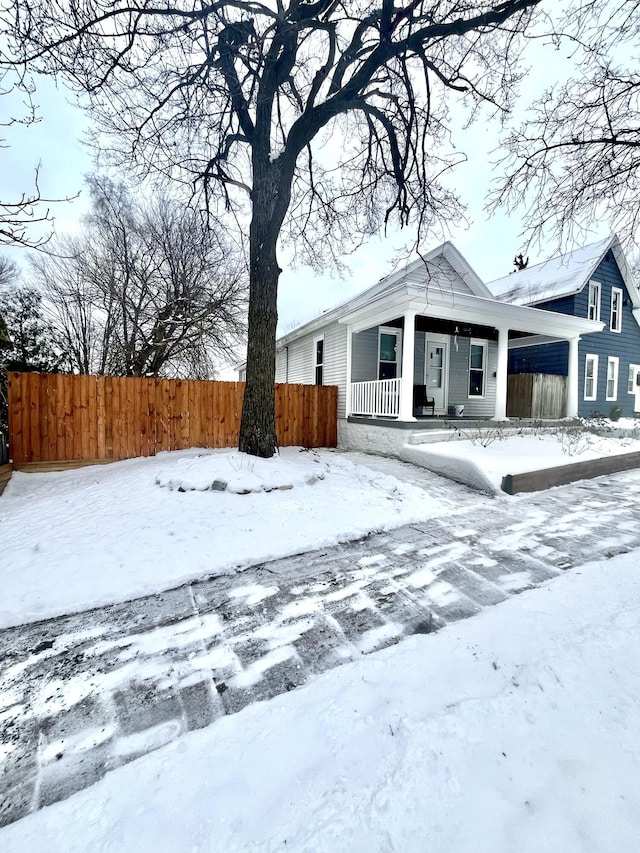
{"points": [[536, 395], [64, 418]]}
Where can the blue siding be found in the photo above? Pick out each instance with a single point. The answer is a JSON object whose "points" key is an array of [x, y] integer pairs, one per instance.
{"points": [[624, 345], [566, 305], [552, 358]]}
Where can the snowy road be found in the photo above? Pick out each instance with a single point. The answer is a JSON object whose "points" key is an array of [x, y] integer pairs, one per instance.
{"points": [[86, 693]]}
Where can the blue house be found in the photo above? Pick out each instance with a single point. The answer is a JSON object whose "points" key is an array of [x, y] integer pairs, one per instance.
{"points": [[594, 283]]}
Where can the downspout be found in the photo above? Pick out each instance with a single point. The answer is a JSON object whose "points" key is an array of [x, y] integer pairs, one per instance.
{"points": [[286, 365]]}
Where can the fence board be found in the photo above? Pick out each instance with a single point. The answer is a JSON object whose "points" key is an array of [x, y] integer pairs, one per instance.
{"points": [[536, 395], [5, 476], [62, 418]]}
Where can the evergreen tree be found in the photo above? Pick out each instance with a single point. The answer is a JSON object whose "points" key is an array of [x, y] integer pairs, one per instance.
{"points": [[32, 343]]}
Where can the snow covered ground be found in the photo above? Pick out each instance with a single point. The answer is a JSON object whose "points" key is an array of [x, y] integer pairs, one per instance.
{"points": [[87, 537], [83, 538], [512, 731], [484, 465], [516, 730]]}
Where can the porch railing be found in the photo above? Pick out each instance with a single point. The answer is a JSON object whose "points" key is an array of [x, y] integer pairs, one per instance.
{"points": [[377, 399]]}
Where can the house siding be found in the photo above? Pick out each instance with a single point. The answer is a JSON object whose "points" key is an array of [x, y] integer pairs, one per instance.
{"points": [[301, 366], [459, 380], [364, 355], [624, 345], [418, 358], [550, 358]]}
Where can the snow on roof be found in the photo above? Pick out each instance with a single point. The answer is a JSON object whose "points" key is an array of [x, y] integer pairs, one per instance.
{"points": [[551, 279]]}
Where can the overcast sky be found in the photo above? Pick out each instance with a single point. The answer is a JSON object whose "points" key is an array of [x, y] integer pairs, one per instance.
{"points": [[489, 245]]}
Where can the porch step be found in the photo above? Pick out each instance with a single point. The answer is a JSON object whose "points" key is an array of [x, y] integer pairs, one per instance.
{"points": [[430, 436], [458, 430]]}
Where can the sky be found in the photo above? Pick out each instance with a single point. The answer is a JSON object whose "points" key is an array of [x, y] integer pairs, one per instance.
{"points": [[488, 244]]}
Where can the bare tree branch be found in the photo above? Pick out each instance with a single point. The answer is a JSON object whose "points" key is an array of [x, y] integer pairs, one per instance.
{"points": [[147, 290], [576, 160], [331, 114]]}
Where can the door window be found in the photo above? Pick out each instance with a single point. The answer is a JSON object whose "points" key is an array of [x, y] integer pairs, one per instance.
{"points": [[436, 366]]}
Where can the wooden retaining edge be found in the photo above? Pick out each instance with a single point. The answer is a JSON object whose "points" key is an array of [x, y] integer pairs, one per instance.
{"points": [[5, 476], [535, 481], [62, 465]]}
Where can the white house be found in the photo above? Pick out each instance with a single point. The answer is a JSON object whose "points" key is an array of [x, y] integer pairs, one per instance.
{"points": [[428, 340]]}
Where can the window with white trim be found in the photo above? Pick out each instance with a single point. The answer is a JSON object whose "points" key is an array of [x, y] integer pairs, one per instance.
{"points": [[593, 311], [612, 378], [389, 352], [477, 368], [615, 324], [632, 371], [318, 349], [590, 377]]}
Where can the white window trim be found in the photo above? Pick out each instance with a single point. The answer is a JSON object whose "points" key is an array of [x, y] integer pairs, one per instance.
{"points": [[316, 363], [596, 287], [485, 356], [392, 330], [630, 386], [612, 328], [612, 360], [593, 357]]}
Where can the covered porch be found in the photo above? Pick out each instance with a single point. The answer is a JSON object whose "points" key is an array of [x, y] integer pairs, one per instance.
{"points": [[411, 360]]}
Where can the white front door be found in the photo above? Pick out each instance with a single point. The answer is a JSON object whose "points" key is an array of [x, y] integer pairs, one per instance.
{"points": [[436, 362]]}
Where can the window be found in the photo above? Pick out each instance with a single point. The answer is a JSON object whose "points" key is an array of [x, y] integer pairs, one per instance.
{"points": [[591, 377], [593, 311], [616, 310], [477, 368], [388, 352], [318, 349], [631, 388], [612, 378]]}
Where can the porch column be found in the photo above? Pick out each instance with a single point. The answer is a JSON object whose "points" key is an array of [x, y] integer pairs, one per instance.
{"points": [[500, 413], [347, 404], [572, 379], [408, 350]]}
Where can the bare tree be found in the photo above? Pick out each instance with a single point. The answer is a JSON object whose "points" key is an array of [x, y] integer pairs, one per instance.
{"points": [[239, 97], [577, 160], [146, 290], [9, 273], [23, 218]]}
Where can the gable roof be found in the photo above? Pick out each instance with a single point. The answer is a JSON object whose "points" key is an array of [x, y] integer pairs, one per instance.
{"points": [[563, 275], [427, 271]]}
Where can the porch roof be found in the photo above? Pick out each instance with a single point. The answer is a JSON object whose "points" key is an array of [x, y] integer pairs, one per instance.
{"points": [[466, 308], [414, 273]]}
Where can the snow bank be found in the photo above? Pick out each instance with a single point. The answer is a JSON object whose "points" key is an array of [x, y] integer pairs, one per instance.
{"points": [[232, 471], [483, 467]]}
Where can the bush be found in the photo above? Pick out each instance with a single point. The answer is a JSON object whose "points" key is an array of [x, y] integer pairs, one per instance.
{"points": [[615, 413]]}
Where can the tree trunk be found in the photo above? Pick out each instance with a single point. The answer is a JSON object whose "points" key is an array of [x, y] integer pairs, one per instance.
{"points": [[258, 425]]}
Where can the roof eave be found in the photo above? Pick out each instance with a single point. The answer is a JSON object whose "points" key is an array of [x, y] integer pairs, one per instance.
{"points": [[484, 311]]}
